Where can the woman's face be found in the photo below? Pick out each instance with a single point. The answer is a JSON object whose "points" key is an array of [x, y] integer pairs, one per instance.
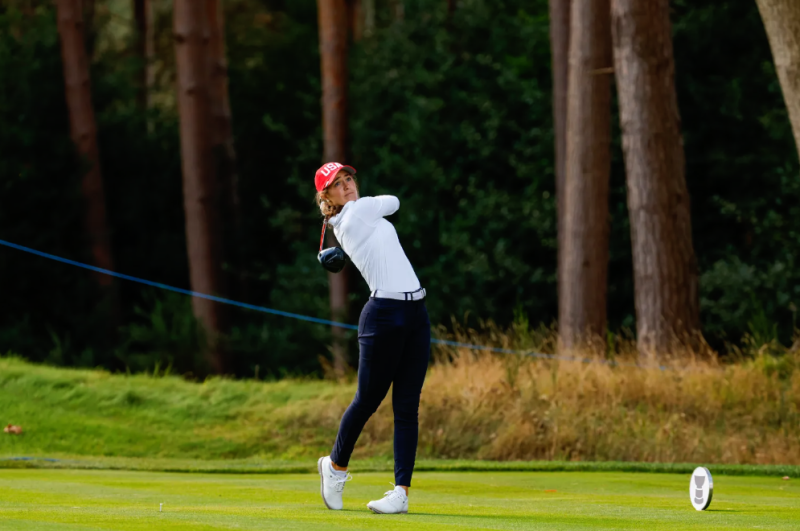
{"points": [[343, 189]]}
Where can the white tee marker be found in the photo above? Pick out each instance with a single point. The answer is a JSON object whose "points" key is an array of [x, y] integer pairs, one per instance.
{"points": [[701, 488]]}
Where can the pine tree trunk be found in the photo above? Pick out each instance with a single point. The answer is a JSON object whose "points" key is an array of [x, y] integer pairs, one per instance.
{"points": [[355, 16], [333, 52], [559, 51], [399, 8], [583, 257], [782, 22], [140, 19], [144, 25], [224, 151], [150, 53], [143, 16], [89, 33], [368, 6], [200, 191], [559, 47], [665, 270], [84, 134]]}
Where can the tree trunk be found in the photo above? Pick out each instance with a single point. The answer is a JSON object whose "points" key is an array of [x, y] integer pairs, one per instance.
{"points": [[224, 150], [150, 53], [782, 22], [355, 17], [665, 270], [368, 6], [333, 52], [559, 51], [144, 22], [200, 190], [83, 130], [399, 8], [141, 23], [583, 253], [90, 32]]}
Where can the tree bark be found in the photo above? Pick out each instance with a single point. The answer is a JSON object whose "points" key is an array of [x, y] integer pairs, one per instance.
{"points": [[782, 22], [368, 6], [399, 7], [150, 53], [665, 269], [83, 130], [224, 150], [333, 52], [355, 17], [200, 190], [559, 51], [90, 32], [584, 249], [142, 27], [144, 22], [140, 8]]}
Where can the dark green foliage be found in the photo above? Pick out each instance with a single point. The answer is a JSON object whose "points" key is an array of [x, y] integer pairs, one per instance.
{"points": [[40, 202], [455, 119], [275, 98], [166, 335], [742, 169], [451, 114]]}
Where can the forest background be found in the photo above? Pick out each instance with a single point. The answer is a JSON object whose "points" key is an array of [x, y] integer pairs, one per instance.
{"points": [[450, 111]]}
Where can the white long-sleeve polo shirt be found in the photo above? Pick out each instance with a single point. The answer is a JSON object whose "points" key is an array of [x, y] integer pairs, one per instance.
{"points": [[372, 244]]}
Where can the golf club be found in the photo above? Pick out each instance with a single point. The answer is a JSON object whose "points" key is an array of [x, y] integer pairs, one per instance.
{"points": [[333, 258]]}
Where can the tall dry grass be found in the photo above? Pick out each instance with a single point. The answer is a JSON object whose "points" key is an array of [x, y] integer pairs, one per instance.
{"points": [[510, 407]]}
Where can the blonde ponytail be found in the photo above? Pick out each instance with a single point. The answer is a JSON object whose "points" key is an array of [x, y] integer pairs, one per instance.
{"points": [[326, 208]]}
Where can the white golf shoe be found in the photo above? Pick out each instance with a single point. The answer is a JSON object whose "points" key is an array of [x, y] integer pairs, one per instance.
{"points": [[394, 502], [331, 484]]}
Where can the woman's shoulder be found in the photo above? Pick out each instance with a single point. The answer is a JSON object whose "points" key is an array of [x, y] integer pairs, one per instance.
{"points": [[368, 208], [358, 205], [337, 219]]}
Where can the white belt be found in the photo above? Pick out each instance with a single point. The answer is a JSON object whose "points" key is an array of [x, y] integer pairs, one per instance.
{"points": [[401, 296]]}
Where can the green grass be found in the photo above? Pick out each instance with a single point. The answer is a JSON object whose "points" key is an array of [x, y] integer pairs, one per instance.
{"points": [[120, 441], [94, 413], [95, 420], [48, 500], [267, 466]]}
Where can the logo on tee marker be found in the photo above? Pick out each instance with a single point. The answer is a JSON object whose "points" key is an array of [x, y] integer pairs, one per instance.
{"points": [[701, 488]]}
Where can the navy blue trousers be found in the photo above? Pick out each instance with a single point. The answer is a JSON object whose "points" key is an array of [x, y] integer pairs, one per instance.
{"points": [[394, 339]]}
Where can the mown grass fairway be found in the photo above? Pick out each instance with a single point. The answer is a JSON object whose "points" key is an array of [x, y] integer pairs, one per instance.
{"points": [[120, 500]]}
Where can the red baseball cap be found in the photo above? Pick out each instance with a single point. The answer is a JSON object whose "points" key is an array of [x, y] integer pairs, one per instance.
{"points": [[328, 172]]}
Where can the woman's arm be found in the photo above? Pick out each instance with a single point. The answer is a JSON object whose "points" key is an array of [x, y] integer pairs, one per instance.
{"points": [[371, 209]]}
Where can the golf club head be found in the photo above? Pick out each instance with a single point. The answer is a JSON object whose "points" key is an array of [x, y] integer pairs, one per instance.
{"points": [[332, 259]]}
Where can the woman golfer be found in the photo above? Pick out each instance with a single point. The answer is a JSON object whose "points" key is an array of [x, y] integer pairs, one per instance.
{"points": [[393, 333]]}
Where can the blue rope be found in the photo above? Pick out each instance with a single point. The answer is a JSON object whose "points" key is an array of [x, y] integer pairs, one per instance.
{"points": [[177, 290], [294, 315]]}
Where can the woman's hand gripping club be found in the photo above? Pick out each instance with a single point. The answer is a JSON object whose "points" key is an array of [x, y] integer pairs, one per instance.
{"points": [[333, 258]]}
